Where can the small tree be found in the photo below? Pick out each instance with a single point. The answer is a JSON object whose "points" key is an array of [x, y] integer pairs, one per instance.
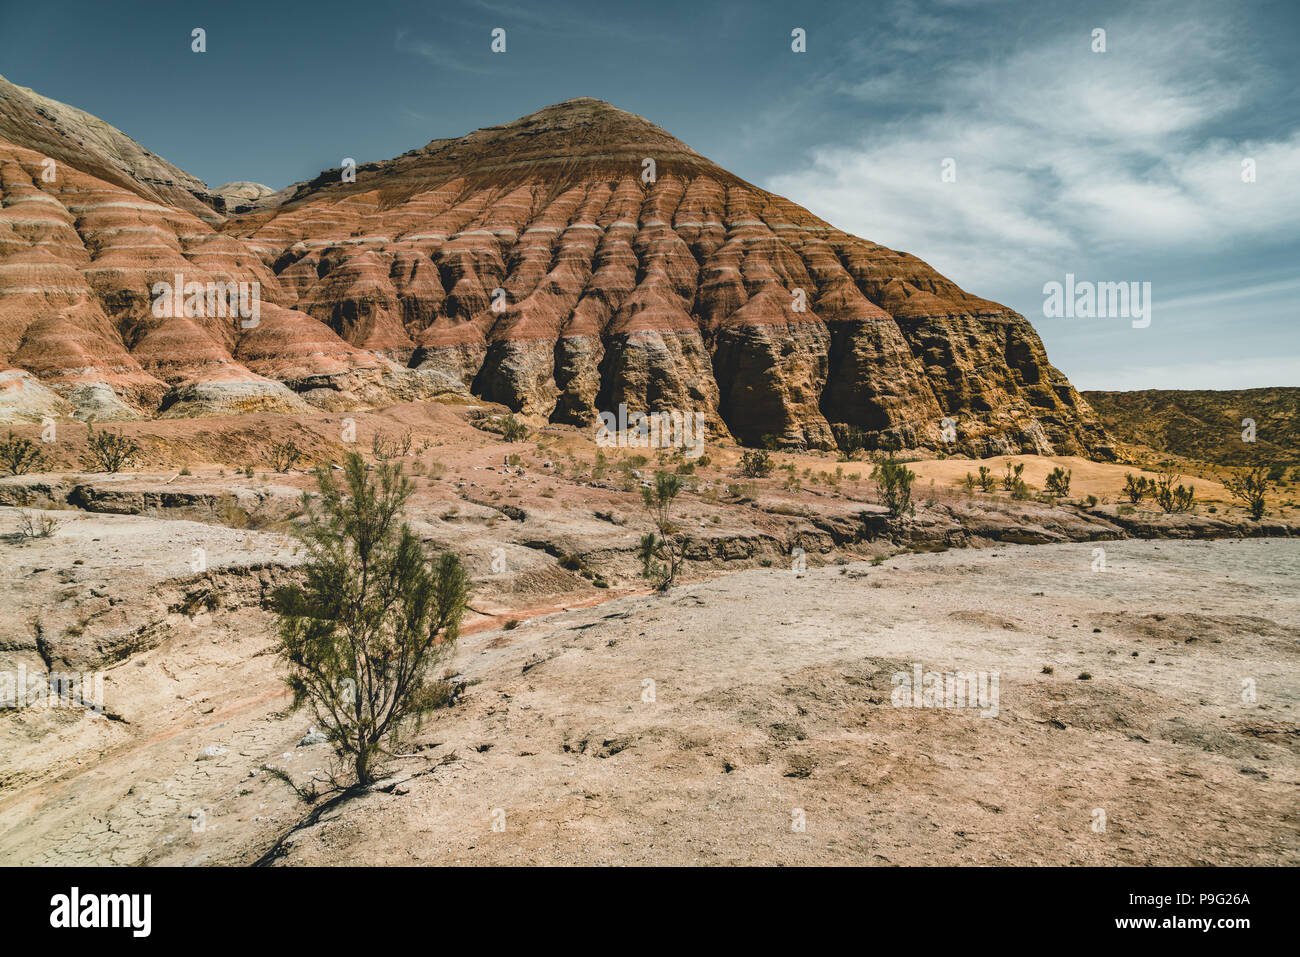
{"points": [[110, 451], [512, 429], [986, 479], [756, 463], [1249, 488], [285, 455], [1058, 483], [663, 550], [1169, 497], [20, 456], [1137, 488], [373, 617], [1012, 477], [894, 483]]}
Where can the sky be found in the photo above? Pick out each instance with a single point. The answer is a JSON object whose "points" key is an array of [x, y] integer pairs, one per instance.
{"points": [[994, 140]]}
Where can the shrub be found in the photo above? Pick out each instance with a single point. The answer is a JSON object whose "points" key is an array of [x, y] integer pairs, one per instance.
{"points": [[20, 456], [385, 448], [986, 479], [33, 525], [512, 429], [1169, 497], [756, 463], [1058, 483], [1249, 489], [663, 550], [285, 455], [373, 616], [1012, 475], [110, 451], [894, 483], [744, 491], [1137, 488]]}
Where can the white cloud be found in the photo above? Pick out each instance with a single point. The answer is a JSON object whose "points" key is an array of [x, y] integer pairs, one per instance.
{"points": [[1063, 156]]}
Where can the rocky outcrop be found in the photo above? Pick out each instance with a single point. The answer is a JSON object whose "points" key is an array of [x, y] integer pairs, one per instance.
{"points": [[566, 263]]}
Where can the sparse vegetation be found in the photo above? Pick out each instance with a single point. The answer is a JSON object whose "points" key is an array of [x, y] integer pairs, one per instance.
{"points": [[894, 483], [361, 635], [986, 479], [512, 429], [109, 451], [285, 455], [1012, 476], [35, 525], [1137, 487], [385, 447], [756, 463], [1058, 483], [662, 551], [1249, 488], [1169, 497], [20, 456]]}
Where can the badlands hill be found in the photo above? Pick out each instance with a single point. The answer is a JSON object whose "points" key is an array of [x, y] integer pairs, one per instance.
{"points": [[1206, 425], [538, 264]]}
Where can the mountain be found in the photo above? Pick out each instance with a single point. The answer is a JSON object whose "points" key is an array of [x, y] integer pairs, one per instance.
{"points": [[75, 138], [562, 264], [1207, 425]]}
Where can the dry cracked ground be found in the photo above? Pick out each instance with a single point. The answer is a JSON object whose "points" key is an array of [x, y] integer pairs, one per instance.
{"points": [[1146, 715]]}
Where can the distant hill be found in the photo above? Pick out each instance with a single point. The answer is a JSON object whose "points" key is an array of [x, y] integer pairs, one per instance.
{"points": [[1205, 424]]}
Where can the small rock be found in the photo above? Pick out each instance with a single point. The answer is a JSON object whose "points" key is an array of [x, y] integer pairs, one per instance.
{"points": [[211, 751], [310, 738]]}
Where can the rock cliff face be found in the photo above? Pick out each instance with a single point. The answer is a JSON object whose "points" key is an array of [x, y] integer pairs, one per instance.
{"points": [[565, 263]]}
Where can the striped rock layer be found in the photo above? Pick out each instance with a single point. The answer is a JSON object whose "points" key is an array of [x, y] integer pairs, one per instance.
{"points": [[546, 264]]}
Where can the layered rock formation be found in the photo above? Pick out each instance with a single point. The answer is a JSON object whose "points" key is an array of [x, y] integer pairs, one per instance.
{"points": [[565, 263]]}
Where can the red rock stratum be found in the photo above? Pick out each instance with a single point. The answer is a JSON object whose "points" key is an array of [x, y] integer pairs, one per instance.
{"points": [[538, 264]]}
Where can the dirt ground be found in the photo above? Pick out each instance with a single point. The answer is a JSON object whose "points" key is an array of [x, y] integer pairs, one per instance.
{"points": [[746, 719]]}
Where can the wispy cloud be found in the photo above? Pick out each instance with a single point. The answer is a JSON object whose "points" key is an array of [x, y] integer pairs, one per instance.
{"points": [[437, 54], [1070, 160]]}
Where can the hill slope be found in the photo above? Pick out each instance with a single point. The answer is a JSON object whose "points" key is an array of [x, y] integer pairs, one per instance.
{"points": [[563, 264], [1206, 425]]}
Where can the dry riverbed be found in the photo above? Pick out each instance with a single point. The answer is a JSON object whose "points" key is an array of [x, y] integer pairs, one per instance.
{"points": [[1145, 714]]}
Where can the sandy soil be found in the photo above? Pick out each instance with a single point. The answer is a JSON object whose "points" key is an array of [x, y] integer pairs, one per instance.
{"points": [[771, 706]]}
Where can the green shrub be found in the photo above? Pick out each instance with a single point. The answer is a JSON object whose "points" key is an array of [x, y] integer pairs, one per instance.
{"points": [[373, 616], [1058, 483], [19, 456], [110, 451], [894, 483], [756, 463]]}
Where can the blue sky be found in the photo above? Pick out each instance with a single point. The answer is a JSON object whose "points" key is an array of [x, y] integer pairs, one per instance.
{"points": [[1115, 166]]}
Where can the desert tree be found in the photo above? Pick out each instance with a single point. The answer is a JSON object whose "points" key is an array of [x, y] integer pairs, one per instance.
{"points": [[1249, 488], [373, 617], [109, 451], [285, 455], [1012, 477], [1137, 487], [1170, 497], [663, 550], [1058, 483], [894, 483], [18, 456], [756, 463]]}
